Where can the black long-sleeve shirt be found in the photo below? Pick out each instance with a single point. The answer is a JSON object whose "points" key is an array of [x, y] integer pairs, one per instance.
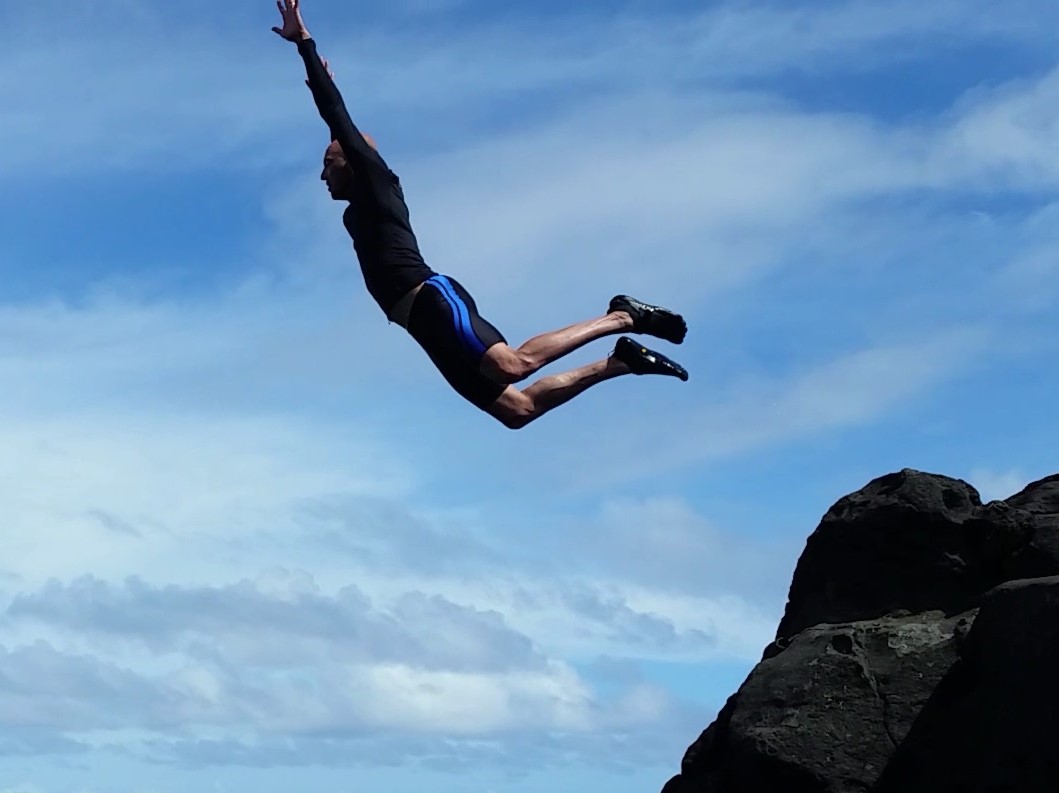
{"points": [[377, 217]]}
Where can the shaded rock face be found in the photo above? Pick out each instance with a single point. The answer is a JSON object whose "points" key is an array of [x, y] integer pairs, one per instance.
{"points": [[993, 722], [1040, 504], [904, 662]]}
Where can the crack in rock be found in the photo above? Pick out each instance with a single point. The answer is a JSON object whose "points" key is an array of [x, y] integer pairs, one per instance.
{"points": [[859, 653]]}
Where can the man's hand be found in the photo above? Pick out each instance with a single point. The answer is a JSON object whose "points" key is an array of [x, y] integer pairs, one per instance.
{"points": [[293, 27]]}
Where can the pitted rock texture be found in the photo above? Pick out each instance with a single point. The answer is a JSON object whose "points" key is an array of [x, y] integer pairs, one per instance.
{"points": [[993, 723]]}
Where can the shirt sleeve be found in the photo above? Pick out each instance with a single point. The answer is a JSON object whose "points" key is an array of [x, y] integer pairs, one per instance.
{"points": [[333, 110]]}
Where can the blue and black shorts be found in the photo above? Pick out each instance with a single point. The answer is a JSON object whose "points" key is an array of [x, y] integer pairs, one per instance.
{"points": [[445, 322]]}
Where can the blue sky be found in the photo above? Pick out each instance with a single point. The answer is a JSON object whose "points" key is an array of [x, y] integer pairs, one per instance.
{"points": [[253, 542]]}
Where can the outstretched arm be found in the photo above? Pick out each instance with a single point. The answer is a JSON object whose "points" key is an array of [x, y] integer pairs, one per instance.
{"points": [[330, 74], [328, 99]]}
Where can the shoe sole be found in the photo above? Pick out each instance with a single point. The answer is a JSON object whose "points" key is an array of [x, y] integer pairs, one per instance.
{"points": [[632, 353]]}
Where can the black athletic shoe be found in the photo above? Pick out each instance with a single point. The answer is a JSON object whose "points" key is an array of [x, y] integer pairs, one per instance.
{"points": [[653, 320], [641, 360]]}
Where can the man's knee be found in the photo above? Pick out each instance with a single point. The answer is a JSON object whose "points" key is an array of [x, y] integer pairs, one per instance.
{"points": [[516, 422], [506, 365], [513, 409]]}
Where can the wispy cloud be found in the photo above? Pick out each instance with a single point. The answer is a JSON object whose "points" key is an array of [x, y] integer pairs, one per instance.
{"points": [[255, 527], [203, 91], [307, 667], [766, 412], [250, 626]]}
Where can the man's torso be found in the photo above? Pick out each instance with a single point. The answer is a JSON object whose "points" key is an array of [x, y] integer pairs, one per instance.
{"points": [[378, 222]]}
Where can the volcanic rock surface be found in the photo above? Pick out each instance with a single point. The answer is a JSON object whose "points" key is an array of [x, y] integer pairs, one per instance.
{"points": [[919, 651]]}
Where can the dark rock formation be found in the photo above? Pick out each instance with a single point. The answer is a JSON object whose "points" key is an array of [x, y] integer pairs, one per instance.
{"points": [[993, 722], [905, 542], [904, 661]]}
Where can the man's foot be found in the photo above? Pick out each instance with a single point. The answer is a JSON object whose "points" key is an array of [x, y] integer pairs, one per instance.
{"points": [[653, 320], [641, 360]]}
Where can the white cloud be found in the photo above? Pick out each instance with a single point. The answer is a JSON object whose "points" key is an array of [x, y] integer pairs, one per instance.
{"points": [[759, 37], [451, 703], [242, 667], [263, 436], [200, 96], [252, 628]]}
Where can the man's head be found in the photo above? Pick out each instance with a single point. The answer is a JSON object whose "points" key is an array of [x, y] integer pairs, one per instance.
{"points": [[338, 173]]}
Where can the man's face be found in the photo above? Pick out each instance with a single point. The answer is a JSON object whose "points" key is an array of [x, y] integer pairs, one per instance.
{"points": [[336, 173]]}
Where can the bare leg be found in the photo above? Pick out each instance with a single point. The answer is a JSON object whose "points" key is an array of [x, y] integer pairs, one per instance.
{"points": [[517, 408], [505, 364]]}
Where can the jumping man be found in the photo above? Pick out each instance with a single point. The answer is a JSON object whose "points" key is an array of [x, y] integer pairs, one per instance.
{"points": [[435, 309]]}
